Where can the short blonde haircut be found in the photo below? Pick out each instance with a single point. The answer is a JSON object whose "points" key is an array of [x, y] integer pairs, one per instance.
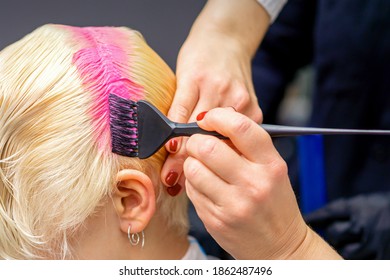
{"points": [[56, 164]]}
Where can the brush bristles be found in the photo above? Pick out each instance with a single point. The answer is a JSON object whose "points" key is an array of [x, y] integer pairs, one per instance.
{"points": [[123, 124]]}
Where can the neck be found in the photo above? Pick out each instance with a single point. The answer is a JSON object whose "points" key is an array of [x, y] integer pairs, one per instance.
{"points": [[103, 239]]}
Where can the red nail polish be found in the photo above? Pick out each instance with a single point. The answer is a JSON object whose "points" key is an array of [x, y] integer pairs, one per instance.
{"points": [[171, 178], [173, 145], [174, 190], [200, 116]]}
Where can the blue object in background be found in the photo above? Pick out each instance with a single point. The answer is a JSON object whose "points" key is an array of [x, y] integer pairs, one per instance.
{"points": [[311, 172]]}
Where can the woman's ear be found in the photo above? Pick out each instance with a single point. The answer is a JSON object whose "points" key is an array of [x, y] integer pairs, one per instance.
{"points": [[134, 199]]}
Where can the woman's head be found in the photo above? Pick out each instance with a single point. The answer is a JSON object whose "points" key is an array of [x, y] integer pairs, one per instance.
{"points": [[56, 164]]}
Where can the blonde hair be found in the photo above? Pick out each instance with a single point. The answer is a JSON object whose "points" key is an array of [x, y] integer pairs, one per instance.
{"points": [[56, 164]]}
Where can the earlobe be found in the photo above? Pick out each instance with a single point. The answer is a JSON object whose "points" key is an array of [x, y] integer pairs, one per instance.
{"points": [[134, 200]]}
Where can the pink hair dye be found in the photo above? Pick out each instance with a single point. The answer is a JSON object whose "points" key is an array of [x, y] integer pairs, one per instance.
{"points": [[101, 65]]}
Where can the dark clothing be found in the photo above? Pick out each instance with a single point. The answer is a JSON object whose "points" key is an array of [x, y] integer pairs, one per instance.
{"points": [[358, 227], [347, 43]]}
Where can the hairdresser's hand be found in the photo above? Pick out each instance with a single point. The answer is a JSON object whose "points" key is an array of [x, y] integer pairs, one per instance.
{"points": [[209, 77], [214, 70], [242, 193]]}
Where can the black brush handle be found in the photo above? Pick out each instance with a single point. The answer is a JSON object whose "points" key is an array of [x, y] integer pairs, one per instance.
{"points": [[155, 129], [188, 129], [280, 130]]}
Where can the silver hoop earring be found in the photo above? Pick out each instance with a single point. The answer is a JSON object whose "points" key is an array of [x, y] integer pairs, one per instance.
{"points": [[134, 238]]}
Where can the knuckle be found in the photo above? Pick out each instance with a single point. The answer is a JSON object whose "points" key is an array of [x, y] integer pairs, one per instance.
{"points": [[220, 226], [242, 212], [278, 168], [243, 96], [257, 188], [248, 104], [192, 143], [223, 84], [257, 115], [259, 194], [181, 112], [208, 148], [218, 84], [245, 101], [222, 221], [241, 125], [198, 77], [273, 177], [191, 168], [240, 96]]}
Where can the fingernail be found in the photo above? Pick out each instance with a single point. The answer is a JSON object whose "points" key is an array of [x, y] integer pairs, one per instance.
{"points": [[171, 178], [174, 190], [200, 116], [173, 145]]}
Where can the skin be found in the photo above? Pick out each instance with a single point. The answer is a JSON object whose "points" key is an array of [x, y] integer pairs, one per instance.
{"points": [[214, 69], [240, 189], [242, 193], [104, 234]]}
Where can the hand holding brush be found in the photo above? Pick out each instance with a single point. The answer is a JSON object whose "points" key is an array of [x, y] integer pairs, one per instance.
{"points": [[242, 193], [138, 129]]}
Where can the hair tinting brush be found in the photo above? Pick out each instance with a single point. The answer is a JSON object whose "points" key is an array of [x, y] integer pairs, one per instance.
{"points": [[138, 129]]}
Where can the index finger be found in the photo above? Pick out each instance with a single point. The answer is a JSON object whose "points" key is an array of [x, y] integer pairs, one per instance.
{"points": [[248, 137], [184, 101], [182, 106]]}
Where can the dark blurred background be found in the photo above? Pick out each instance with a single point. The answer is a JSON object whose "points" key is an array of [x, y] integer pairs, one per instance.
{"points": [[164, 24]]}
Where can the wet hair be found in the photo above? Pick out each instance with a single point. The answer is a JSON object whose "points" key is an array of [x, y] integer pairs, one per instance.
{"points": [[56, 164]]}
